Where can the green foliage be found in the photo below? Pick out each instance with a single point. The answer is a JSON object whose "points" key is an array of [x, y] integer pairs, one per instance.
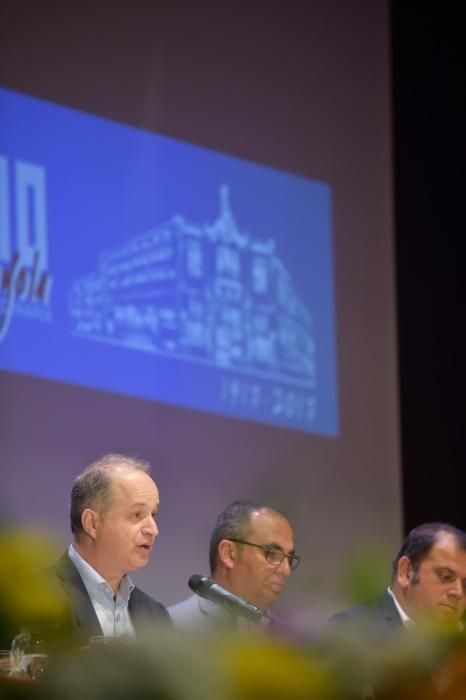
{"points": [[366, 574]]}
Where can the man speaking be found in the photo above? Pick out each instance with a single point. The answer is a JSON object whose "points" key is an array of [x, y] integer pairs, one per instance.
{"points": [[114, 502]]}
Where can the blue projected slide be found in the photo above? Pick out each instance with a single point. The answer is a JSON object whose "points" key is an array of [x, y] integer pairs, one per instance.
{"points": [[136, 263]]}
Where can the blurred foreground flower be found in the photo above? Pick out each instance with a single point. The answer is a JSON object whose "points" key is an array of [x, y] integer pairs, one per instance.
{"points": [[25, 595], [168, 666], [263, 669], [164, 665], [161, 666]]}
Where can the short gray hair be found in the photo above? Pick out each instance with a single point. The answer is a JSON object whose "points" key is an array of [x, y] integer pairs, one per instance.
{"points": [[93, 487]]}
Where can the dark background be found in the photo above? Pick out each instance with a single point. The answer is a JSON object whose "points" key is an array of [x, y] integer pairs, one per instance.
{"points": [[428, 123]]}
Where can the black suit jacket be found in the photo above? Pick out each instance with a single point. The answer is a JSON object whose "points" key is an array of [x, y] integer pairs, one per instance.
{"points": [[378, 620], [375, 622], [83, 620]]}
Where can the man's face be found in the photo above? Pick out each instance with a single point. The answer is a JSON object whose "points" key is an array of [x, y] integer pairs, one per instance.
{"points": [[126, 530], [440, 589], [252, 576]]}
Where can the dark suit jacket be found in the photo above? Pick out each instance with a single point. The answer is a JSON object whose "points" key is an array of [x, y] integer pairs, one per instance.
{"points": [[377, 620], [83, 620]]}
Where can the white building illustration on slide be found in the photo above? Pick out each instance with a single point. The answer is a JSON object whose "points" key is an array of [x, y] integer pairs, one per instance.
{"points": [[203, 292]]}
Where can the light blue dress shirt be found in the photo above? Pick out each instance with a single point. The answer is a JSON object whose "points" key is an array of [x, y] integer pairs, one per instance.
{"points": [[111, 612]]}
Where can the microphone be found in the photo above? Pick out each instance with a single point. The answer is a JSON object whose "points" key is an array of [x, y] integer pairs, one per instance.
{"points": [[208, 588]]}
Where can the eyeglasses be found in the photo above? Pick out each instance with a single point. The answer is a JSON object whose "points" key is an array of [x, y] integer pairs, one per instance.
{"points": [[272, 554]]}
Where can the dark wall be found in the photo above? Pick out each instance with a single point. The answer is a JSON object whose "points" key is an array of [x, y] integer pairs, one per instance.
{"points": [[428, 56]]}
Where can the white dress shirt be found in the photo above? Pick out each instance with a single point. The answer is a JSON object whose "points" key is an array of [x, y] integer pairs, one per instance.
{"points": [[405, 619]]}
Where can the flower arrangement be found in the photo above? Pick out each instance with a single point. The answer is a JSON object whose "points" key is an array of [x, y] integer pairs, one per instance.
{"points": [[165, 665]]}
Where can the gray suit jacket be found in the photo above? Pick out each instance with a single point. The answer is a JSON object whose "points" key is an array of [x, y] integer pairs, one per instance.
{"points": [[198, 613], [83, 620]]}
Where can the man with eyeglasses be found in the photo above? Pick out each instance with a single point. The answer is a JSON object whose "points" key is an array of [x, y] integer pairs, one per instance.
{"points": [[251, 554]]}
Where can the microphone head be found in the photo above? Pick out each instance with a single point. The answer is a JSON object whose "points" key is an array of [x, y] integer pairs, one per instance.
{"points": [[197, 581], [208, 588]]}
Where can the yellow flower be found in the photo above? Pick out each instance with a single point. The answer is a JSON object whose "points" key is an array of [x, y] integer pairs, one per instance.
{"points": [[267, 669], [25, 593]]}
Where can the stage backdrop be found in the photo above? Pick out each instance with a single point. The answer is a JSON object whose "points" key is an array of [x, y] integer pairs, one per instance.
{"points": [[196, 267]]}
